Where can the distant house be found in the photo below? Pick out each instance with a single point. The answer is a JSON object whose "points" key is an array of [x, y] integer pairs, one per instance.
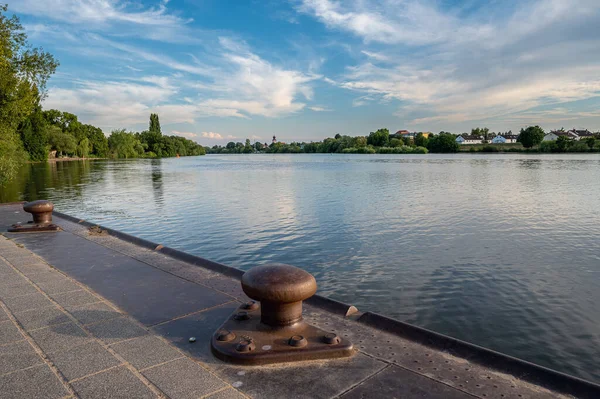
{"points": [[505, 138], [582, 134], [554, 135], [469, 139], [400, 134]]}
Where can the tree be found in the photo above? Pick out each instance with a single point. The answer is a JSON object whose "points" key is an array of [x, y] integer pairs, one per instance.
{"points": [[63, 143], [379, 138], [443, 142], [481, 132], [230, 145], [124, 145], [24, 72], [34, 137], [337, 136], [421, 140], [562, 144], [154, 125], [591, 142], [531, 136], [83, 148]]}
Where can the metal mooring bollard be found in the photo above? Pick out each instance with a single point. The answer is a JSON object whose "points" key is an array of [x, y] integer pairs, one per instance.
{"points": [[275, 331], [41, 211]]}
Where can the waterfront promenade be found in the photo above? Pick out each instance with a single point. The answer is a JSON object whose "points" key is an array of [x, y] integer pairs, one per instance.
{"points": [[88, 314]]}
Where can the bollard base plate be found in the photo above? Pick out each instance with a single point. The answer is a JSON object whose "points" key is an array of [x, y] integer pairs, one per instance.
{"points": [[245, 340], [32, 228]]}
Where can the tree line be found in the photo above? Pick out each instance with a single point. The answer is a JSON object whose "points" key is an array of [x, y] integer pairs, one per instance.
{"points": [[29, 133]]}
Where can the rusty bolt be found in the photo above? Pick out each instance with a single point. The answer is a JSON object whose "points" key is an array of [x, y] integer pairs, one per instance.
{"points": [[245, 345], [331, 339], [225, 336], [280, 289], [250, 305], [297, 341], [243, 315], [41, 211]]}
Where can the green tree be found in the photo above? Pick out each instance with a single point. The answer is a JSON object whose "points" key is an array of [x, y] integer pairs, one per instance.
{"points": [[24, 72], [248, 147], [396, 142], [83, 148], [443, 142], [62, 142], [98, 141], [421, 140], [124, 145], [379, 138], [591, 142], [563, 143], [34, 136], [531, 136], [337, 136]]}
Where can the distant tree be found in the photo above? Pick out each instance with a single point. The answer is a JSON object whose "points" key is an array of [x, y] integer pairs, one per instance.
{"points": [[563, 143], [230, 145], [443, 142], [154, 126], [83, 148], [337, 136], [591, 142], [63, 143], [258, 146], [531, 136], [125, 145], [248, 147], [396, 143], [359, 142], [379, 138], [421, 140], [483, 132]]}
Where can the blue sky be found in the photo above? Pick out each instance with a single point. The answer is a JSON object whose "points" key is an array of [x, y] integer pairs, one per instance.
{"points": [[222, 70]]}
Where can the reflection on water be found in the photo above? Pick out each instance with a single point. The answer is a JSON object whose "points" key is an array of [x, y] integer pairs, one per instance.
{"points": [[500, 250]]}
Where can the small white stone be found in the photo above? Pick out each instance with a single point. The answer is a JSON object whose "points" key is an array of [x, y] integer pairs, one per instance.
{"points": [[192, 339], [267, 347], [241, 372], [237, 384]]}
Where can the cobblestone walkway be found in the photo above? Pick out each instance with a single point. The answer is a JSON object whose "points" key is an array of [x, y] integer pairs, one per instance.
{"points": [[60, 340]]}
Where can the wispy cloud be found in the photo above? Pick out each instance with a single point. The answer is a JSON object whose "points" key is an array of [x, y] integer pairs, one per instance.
{"points": [[319, 109], [455, 66]]}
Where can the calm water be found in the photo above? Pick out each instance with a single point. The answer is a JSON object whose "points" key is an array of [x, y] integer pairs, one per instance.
{"points": [[500, 250]]}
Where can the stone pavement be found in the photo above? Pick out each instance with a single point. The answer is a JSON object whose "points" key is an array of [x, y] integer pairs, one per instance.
{"points": [[86, 314], [58, 339]]}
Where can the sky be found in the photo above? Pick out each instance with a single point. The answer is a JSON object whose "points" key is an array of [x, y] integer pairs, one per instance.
{"points": [[226, 70]]}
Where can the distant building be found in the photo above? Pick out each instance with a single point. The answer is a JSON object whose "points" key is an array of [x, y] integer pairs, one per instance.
{"points": [[504, 138], [469, 139], [582, 134], [554, 135], [274, 139], [405, 133]]}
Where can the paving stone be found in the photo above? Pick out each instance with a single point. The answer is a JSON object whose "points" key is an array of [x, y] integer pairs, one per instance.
{"points": [[21, 258], [46, 276], [395, 382], [43, 317], [16, 356], [320, 379], [94, 312], [9, 332], [35, 382], [27, 302], [83, 360], [116, 330], [201, 325], [18, 288], [34, 268], [60, 337], [3, 315], [117, 383], [73, 299], [146, 351], [10, 277], [58, 286], [184, 379], [228, 393]]}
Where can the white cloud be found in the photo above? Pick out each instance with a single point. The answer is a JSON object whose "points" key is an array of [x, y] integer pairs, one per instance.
{"points": [[212, 135], [319, 109], [455, 66], [97, 11]]}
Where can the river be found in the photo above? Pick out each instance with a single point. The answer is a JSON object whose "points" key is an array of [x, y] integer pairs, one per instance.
{"points": [[502, 250]]}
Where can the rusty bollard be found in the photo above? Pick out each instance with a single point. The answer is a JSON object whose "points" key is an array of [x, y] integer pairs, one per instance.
{"points": [[41, 210], [280, 289], [275, 331]]}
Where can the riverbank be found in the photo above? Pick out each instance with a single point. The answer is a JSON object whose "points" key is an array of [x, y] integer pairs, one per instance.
{"points": [[98, 315]]}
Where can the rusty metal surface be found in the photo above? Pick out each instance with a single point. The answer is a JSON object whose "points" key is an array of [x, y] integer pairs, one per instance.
{"points": [[41, 210], [244, 339]]}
